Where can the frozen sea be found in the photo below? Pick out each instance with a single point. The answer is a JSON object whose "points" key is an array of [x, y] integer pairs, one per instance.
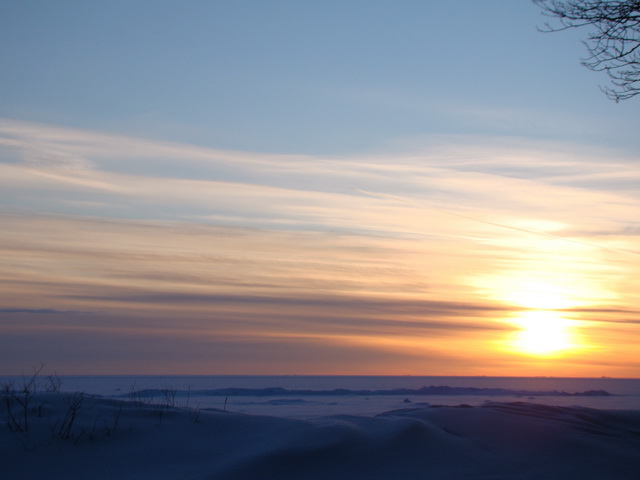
{"points": [[316, 396]]}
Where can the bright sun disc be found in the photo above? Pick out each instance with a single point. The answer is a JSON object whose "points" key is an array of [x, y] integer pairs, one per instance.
{"points": [[542, 333]]}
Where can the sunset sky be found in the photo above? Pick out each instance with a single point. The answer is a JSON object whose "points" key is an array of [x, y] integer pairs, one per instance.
{"points": [[297, 187]]}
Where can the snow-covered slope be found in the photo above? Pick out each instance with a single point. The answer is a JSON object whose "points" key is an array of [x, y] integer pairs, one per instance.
{"points": [[102, 438]]}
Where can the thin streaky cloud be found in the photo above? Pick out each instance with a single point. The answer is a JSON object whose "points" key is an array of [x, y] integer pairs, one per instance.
{"points": [[40, 311], [438, 250], [500, 225]]}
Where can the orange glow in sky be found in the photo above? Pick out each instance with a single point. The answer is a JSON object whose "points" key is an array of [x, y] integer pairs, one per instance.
{"points": [[312, 188], [212, 275]]}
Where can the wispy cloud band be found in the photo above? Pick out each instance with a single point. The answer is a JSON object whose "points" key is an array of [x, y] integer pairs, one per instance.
{"points": [[458, 237]]}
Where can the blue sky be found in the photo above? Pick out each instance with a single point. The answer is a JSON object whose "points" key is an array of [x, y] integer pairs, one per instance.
{"points": [[312, 187], [303, 77]]}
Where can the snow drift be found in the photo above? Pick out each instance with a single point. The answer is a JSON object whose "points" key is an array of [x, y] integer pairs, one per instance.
{"points": [[75, 436]]}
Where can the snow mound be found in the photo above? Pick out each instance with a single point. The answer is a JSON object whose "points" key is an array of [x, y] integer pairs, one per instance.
{"points": [[117, 439]]}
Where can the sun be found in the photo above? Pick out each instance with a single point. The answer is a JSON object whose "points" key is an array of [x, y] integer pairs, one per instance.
{"points": [[542, 333], [541, 317], [542, 297]]}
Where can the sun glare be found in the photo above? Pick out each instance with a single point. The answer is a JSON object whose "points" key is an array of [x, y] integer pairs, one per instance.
{"points": [[540, 299], [543, 333]]}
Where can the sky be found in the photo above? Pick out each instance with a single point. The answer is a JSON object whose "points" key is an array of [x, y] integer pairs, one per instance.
{"points": [[296, 187]]}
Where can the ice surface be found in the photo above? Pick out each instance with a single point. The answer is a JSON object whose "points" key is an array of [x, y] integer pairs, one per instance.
{"points": [[356, 400]]}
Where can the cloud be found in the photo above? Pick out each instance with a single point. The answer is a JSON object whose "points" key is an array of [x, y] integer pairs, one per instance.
{"points": [[459, 236], [497, 182], [339, 313], [40, 311]]}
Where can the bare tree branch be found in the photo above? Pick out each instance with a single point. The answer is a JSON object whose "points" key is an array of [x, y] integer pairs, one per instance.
{"points": [[613, 45]]}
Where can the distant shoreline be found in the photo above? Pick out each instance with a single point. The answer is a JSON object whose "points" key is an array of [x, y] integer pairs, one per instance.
{"points": [[427, 391]]}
